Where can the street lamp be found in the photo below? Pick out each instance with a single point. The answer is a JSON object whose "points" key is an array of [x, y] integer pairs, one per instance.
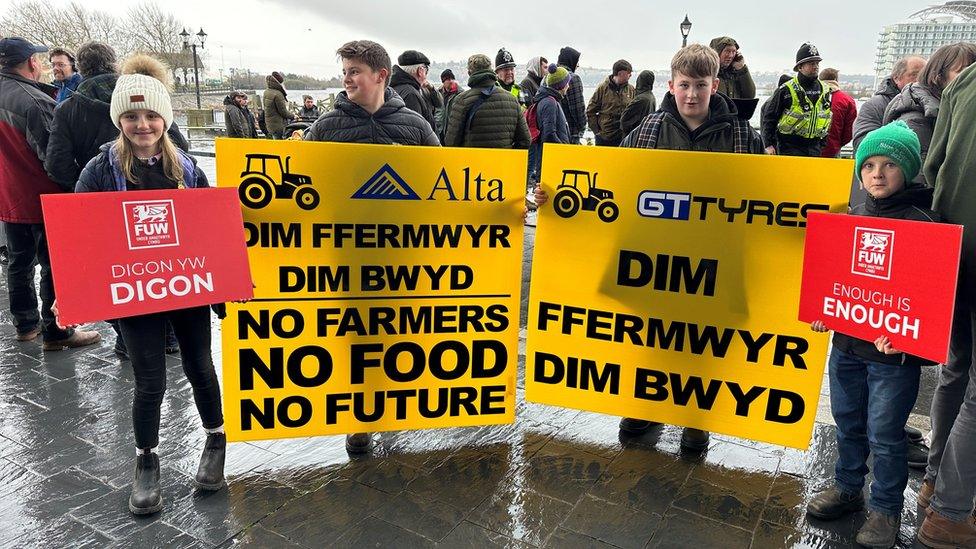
{"points": [[201, 37], [685, 29]]}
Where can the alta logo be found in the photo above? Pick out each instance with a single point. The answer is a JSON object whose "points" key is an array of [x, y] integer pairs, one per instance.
{"points": [[873, 250], [386, 184], [150, 224]]}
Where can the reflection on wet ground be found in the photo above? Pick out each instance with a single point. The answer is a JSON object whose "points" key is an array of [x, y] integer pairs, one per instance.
{"points": [[555, 478]]}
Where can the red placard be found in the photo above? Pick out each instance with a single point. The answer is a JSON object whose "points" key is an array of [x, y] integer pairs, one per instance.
{"points": [[871, 276], [121, 254]]}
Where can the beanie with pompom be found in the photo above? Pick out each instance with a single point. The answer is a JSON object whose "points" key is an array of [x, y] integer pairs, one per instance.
{"points": [[143, 84], [558, 77]]}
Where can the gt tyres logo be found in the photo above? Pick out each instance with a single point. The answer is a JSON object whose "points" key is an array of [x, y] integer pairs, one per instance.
{"points": [[664, 204], [679, 206]]}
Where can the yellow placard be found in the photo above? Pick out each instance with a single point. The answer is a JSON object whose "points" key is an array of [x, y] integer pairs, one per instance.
{"points": [[665, 286], [386, 288]]}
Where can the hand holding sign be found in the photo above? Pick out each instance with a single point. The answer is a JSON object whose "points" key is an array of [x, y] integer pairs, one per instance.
{"points": [[57, 317], [884, 346]]}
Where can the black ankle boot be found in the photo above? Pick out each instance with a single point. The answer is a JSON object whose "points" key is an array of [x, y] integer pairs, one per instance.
{"points": [[145, 498], [210, 474]]}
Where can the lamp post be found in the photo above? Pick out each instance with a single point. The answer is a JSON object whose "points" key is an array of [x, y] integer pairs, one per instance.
{"points": [[685, 29], [201, 37]]}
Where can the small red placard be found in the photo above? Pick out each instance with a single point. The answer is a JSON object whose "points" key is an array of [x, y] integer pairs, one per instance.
{"points": [[871, 276], [120, 254]]}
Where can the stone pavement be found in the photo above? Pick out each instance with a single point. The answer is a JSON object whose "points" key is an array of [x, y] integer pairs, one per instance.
{"points": [[555, 478]]}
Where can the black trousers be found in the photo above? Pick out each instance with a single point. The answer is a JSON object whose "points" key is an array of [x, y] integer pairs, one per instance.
{"points": [[145, 337], [26, 249]]}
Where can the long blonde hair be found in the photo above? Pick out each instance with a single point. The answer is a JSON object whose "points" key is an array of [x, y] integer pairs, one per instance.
{"points": [[172, 166]]}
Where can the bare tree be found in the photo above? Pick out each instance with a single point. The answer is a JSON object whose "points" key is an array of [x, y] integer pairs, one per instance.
{"points": [[68, 27], [145, 28], [157, 32]]}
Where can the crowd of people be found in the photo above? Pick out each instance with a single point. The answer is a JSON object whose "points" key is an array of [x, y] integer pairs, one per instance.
{"points": [[102, 127]]}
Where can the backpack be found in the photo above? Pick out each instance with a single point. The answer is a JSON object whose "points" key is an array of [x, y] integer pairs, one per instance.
{"points": [[533, 123]]}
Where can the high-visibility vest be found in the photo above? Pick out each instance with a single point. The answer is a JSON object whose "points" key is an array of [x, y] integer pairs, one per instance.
{"points": [[519, 96], [806, 118]]}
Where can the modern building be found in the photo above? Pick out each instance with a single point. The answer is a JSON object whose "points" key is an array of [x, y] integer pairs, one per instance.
{"points": [[924, 32]]}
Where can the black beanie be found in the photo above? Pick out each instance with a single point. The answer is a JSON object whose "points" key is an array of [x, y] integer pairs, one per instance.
{"points": [[447, 74]]}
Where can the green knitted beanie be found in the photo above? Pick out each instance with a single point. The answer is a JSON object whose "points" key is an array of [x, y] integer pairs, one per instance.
{"points": [[896, 141], [558, 77]]}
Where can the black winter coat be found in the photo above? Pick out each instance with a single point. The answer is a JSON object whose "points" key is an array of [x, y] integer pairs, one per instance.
{"points": [[409, 90], [911, 203], [238, 120], [393, 123], [82, 124], [918, 107], [643, 104]]}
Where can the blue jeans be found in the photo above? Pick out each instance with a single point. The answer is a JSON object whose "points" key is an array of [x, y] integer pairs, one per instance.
{"points": [[870, 403]]}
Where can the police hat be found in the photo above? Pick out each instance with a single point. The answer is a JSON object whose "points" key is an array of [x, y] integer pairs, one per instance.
{"points": [[807, 52]]}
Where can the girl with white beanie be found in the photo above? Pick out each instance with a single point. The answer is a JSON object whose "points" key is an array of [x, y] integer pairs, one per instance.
{"points": [[144, 158]]}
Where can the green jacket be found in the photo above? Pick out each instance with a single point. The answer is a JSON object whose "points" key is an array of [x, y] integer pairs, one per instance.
{"points": [[605, 107], [497, 124], [952, 161], [276, 113]]}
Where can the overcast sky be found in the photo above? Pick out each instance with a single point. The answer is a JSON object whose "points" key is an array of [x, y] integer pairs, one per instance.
{"points": [[302, 35]]}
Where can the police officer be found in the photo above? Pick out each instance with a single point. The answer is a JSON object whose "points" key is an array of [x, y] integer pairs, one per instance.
{"points": [[505, 71], [798, 120]]}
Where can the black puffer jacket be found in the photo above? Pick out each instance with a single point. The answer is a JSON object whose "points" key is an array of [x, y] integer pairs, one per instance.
{"points": [[498, 123], [918, 107], [393, 123], [409, 90], [82, 124], [911, 203]]}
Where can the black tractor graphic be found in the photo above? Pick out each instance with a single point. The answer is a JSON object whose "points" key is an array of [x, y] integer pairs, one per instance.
{"points": [[569, 198], [265, 178]]}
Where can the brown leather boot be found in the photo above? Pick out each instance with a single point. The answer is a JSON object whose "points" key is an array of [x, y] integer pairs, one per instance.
{"points": [[942, 533], [925, 493], [79, 338]]}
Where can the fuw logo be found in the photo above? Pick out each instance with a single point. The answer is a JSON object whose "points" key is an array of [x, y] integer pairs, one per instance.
{"points": [[386, 184], [872, 252], [150, 224]]}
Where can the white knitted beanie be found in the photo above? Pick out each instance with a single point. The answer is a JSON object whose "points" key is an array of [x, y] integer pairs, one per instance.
{"points": [[142, 85]]}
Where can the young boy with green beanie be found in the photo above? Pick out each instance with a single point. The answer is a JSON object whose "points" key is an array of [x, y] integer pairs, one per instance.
{"points": [[873, 386]]}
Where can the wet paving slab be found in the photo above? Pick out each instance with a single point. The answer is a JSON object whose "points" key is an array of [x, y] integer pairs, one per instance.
{"points": [[554, 478]]}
